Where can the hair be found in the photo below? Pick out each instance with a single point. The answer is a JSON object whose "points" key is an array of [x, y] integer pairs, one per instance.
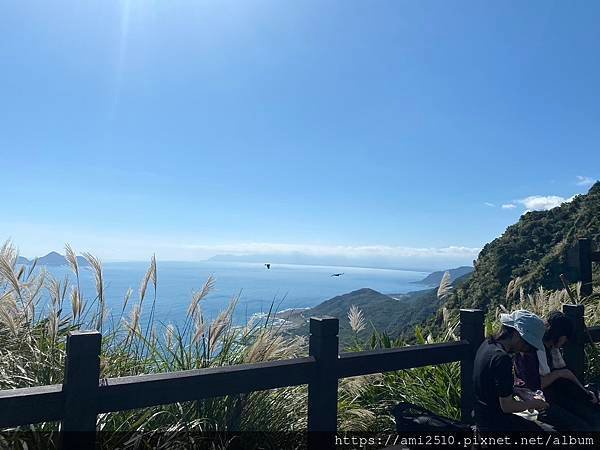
{"points": [[558, 325], [504, 333], [507, 333]]}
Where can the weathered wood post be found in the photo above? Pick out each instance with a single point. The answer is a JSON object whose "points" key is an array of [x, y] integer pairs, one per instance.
{"points": [[471, 329], [82, 377], [574, 350], [323, 390], [584, 250]]}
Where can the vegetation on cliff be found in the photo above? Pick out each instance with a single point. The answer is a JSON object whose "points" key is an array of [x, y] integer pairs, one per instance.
{"points": [[533, 251]]}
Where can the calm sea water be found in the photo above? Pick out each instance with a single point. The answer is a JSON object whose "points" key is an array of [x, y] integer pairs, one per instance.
{"points": [[289, 286]]}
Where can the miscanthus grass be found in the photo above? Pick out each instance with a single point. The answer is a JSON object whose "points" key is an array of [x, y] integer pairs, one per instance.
{"points": [[542, 302], [366, 402], [37, 311]]}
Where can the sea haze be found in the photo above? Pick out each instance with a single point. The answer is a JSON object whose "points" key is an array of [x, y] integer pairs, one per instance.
{"points": [[289, 286]]}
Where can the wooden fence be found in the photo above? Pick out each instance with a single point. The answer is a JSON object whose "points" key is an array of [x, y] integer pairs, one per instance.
{"points": [[77, 402]]}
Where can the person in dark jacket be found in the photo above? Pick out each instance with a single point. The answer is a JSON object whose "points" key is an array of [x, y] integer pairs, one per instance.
{"points": [[493, 379]]}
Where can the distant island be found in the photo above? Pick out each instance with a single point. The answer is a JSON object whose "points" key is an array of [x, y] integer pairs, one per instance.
{"points": [[52, 259]]}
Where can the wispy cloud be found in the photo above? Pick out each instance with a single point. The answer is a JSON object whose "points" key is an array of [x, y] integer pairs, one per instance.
{"points": [[543, 202], [338, 250], [367, 255], [509, 206], [491, 205], [39, 239], [584, 181]]}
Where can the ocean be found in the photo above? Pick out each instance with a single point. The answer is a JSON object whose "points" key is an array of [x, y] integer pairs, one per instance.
{"points": [[287, 285]]}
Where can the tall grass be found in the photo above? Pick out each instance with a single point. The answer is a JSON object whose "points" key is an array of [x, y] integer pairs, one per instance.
{"points": [[37, 311], [365, 402], [542, 301]]}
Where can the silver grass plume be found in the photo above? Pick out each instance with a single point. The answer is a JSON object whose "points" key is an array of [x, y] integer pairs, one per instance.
{"points": [[52, 324], [134, 318], [8, 257], [445, 286], [169, 335], [99, 278], [153, 274], [55, 289], [144, 284], [72, 260], [221, 323], [511, 289], [9, 315], [75, 303], [200, 328], [357, 321], [98, 274], [198, 296]]}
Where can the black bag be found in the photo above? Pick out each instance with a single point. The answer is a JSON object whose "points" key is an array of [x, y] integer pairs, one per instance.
{"points": [[411, 417]]}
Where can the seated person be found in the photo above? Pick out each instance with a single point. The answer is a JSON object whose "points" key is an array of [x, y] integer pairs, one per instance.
{"points": [[493, 379], [572, 406]]}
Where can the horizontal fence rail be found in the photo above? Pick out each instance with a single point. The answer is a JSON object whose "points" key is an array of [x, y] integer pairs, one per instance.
{"points": [[387, 360], [82, 396], [31, 405], [46, 403], [118, 394], [594, 333]]}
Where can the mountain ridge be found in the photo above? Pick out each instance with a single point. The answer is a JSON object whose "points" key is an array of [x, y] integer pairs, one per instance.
{"points": [[52, 259], [393, 315], [434, 279]]}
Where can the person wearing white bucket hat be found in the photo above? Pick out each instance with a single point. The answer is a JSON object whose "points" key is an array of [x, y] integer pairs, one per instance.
{"points": [[493, 380], [530, 327]]}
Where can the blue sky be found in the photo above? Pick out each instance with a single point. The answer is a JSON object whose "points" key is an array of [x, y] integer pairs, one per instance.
{"points": [[332, 127]]}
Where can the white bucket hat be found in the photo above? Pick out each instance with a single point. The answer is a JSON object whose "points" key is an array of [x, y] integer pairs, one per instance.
{"points": [[529, 326]]}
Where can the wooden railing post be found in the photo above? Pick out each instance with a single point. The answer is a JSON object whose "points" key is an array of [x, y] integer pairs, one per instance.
{"points": [[82, 376], [323, 389], [574, 350], [584, 250], [471, 329]]}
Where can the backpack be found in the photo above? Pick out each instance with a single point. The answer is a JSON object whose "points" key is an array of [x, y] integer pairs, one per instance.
{"points": [[410, 417]]}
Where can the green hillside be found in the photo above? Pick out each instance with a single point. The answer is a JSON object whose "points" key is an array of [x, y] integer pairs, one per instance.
{"points": [[394, 315], [535, 249]]}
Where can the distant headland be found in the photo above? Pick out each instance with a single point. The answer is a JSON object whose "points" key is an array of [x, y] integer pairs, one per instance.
{"points": [[52, 259]]}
